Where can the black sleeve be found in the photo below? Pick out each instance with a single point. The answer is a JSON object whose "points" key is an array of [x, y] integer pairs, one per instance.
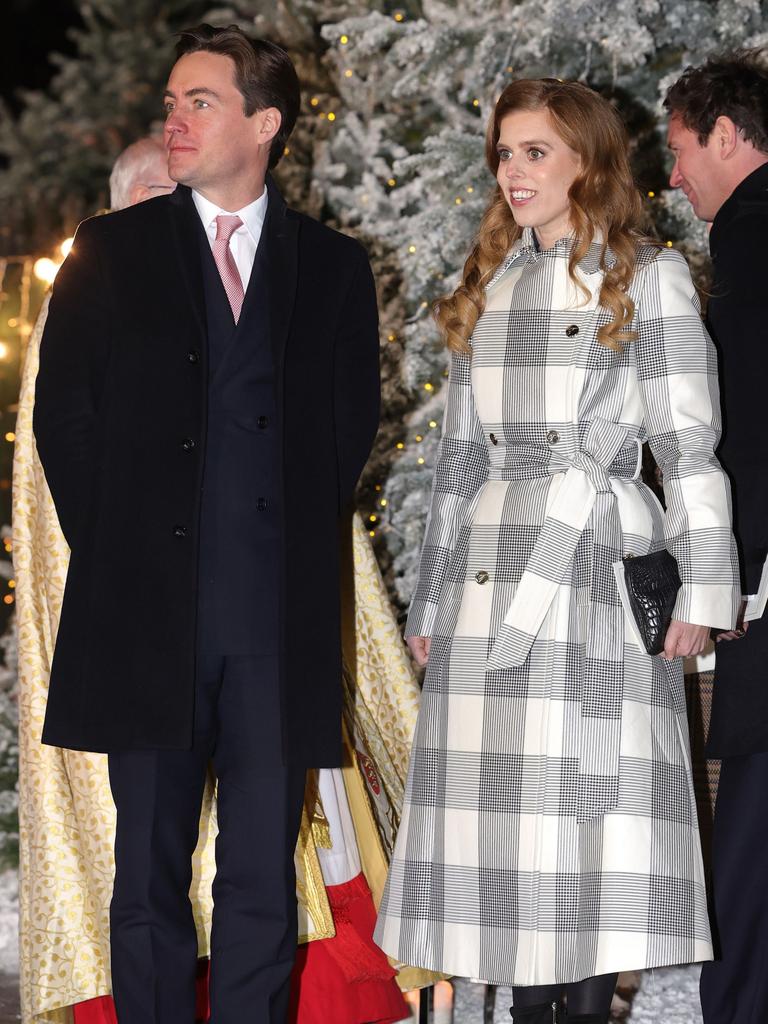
{"points": [[73, 360], [356, 378], [738, 318]]}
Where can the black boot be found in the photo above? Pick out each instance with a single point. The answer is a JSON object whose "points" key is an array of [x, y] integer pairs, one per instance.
{"points": [[587, 1018], [541, 1013]]}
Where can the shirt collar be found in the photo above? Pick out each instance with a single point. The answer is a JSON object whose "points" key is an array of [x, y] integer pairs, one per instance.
{"points": [[251, 215]]}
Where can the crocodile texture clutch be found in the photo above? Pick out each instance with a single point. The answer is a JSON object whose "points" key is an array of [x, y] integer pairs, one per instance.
{"points": [[652, 585]]}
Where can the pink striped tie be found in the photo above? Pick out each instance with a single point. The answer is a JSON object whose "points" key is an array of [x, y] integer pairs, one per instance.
{"points": [[225, 262]]}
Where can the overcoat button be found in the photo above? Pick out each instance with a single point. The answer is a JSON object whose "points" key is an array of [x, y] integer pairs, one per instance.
{"points": [[261, 422], [261, 504], [482, 576], [179, 531], [193, 356], [553, 437], [494, 439], [572, 331], [188, 444]]}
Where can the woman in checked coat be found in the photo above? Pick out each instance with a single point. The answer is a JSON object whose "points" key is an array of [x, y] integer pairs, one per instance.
{"points": [[549, 838]]}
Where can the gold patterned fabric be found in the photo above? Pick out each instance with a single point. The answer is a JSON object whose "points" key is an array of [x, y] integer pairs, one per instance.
{"points": [[66, 811]]}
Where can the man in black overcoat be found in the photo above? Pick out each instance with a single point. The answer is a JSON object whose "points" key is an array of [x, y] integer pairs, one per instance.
{"points": [[207, 397], [718, 133]]}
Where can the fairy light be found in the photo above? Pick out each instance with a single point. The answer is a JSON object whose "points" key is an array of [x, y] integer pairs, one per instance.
{"points": [[399, 446], [475, 103], [343, 40], [458, 200], [651, 195], [419, 437], [12, 584], [432, 424], [10, 437], [314, 102], [4, 350], [470, 189], [287, 151], [45, 270], [429, 386], [392, 337], [411, 248], [373, 519], [420, 460], [391, 182], [399, 16], [8, 599], [348, 73], [669, 245]]}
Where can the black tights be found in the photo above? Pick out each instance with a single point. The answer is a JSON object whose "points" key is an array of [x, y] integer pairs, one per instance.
{"points": [[593, 995]]}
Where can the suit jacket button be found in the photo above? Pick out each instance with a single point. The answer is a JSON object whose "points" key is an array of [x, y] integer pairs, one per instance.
{"points": [[482, 576], [261, 504], [494, 439], [179, 531], [193, 356], [553, 437], [261, 422], [188, 444], [571, 331]]}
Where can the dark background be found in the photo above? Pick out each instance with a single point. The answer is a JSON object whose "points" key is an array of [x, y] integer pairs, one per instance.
{"points": [[33, 29]]}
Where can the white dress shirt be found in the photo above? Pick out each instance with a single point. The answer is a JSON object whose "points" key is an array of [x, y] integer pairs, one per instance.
{"points": [[244, 241]]}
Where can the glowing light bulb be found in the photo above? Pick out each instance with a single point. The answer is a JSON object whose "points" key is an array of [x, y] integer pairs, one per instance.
{"points": [[45, 270]]}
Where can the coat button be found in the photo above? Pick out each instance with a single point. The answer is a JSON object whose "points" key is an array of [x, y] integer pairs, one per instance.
{"points": [[482, 576], [179, 531], [572, 331], [261, 504], [494, 439], [193, 356], [261, 422], [552, 437], [188, 444]]}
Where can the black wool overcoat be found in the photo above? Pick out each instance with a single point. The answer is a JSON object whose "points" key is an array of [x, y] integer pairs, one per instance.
{"points": [[122, 388], [737, 318]]}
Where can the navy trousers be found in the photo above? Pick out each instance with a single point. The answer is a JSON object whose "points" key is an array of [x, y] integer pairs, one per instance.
{"points": [[158, 795], [734, 988]]}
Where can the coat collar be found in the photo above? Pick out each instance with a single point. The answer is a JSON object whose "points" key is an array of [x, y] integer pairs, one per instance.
{"points": [[753, 188], [527, 249]]}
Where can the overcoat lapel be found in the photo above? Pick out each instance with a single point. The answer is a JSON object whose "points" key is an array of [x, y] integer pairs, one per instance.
{"points": [[282, 236], [185, 224]]}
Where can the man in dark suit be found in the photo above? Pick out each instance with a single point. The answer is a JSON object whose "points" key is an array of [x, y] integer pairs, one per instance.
{"points": [[207, 397], [718, 133]]}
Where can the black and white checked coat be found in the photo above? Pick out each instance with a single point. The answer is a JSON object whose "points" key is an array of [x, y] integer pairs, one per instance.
{"points": [[549, 832]]}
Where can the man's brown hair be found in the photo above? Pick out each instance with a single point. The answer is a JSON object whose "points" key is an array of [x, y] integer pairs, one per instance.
{"points": [[264, 74], [733, 85]]}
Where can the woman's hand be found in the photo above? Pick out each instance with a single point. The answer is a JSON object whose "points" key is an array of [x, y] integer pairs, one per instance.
{"points": [[684, 640], [419, 646]]}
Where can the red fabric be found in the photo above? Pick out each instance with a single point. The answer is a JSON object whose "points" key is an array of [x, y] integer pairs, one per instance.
{"points": [[346, 979]]}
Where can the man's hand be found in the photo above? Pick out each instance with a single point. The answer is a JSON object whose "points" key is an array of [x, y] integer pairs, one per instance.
{"points": [[684, 640], [740, 629], [419, 646]]}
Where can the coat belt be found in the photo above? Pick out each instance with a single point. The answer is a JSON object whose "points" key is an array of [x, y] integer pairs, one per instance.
{"points": [[587, 474]]}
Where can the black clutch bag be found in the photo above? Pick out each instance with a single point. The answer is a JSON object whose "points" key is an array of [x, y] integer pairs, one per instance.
{"points": [[652, 584]]}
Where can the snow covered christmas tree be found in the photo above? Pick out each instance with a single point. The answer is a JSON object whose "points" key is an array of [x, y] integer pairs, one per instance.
{"points": [[404, 170]]}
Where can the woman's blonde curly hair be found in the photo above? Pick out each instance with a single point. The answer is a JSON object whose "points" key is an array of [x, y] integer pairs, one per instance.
{"points": [[605, 202]]}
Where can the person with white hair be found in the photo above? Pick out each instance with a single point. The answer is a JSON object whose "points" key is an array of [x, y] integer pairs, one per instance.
{"points": [[139, 173]]}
